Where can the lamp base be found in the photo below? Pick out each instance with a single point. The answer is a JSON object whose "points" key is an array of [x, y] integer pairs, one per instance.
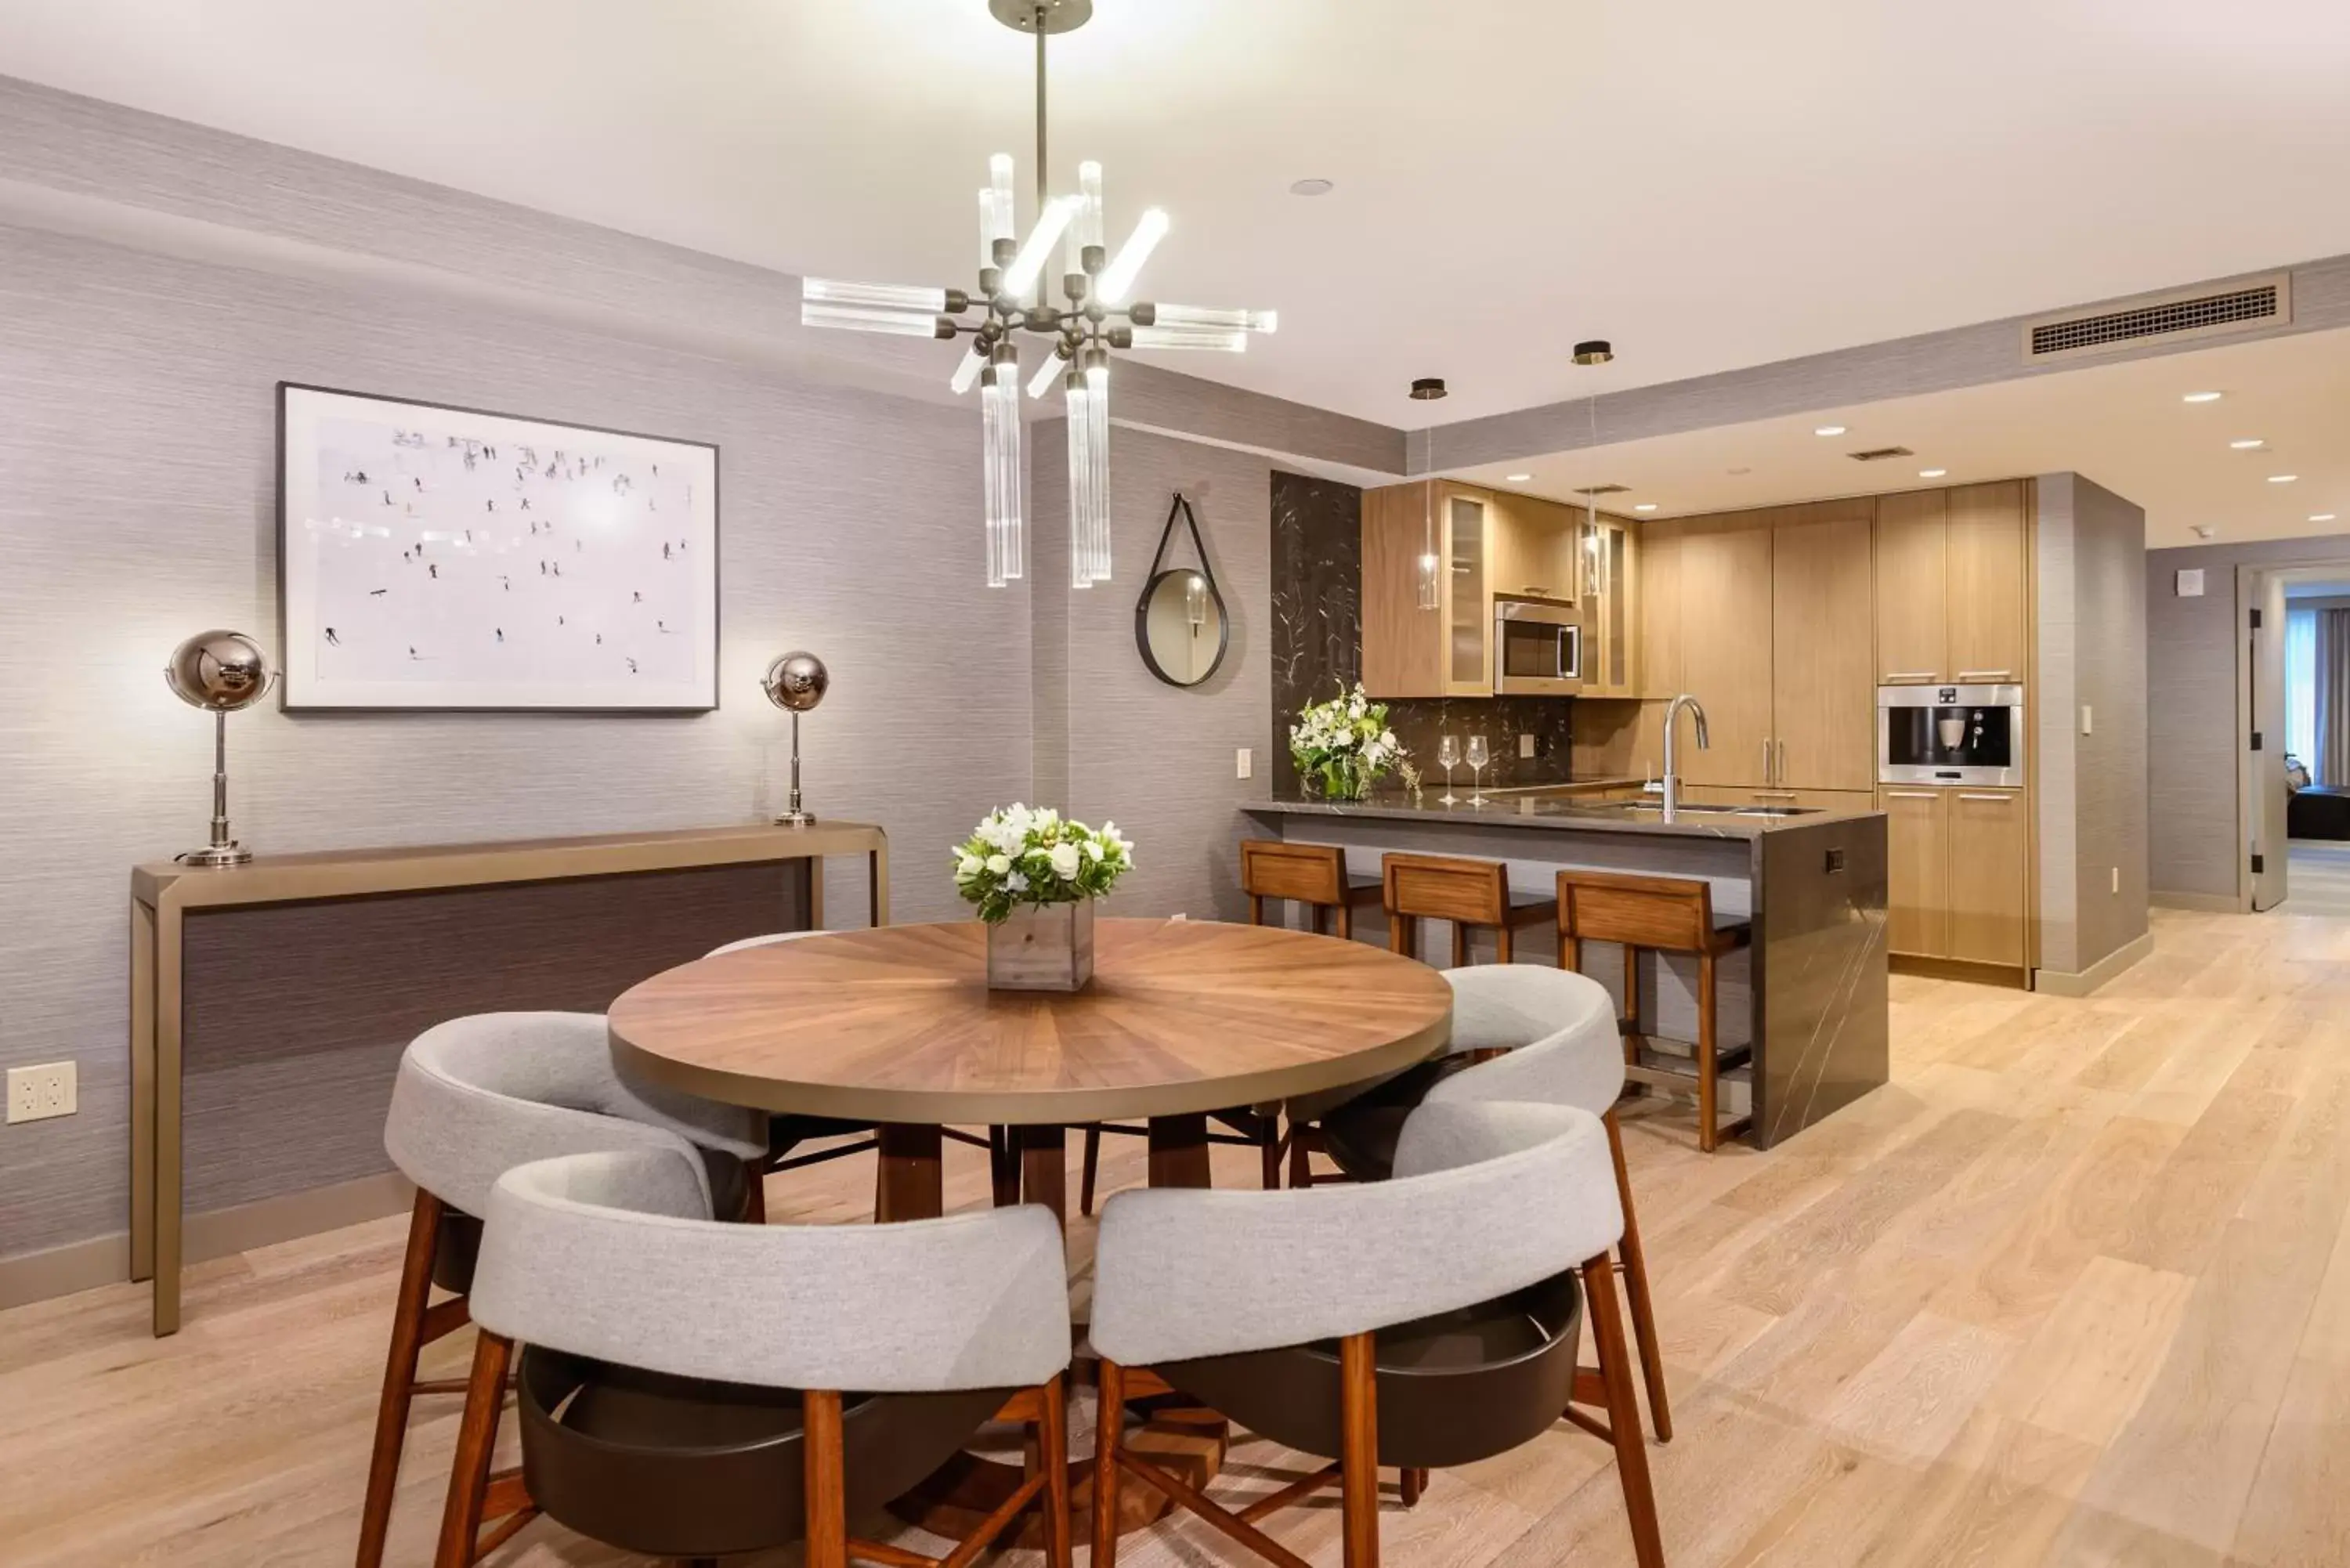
{"points": [[216, 855], [796, 819]]}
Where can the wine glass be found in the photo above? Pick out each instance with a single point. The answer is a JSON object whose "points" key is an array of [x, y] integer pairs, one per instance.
{"points": [[1448, 757], [1478, 757]]}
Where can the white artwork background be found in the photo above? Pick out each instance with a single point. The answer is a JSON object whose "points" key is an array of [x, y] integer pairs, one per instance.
{"points": [[438, 558]]}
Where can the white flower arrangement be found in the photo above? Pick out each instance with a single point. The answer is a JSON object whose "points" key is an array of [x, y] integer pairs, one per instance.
{"points": [[1345, 744], [1016, 857]]}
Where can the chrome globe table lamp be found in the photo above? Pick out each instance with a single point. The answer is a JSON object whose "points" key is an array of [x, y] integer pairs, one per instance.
{"points": [[219, 672], [796, 682]]}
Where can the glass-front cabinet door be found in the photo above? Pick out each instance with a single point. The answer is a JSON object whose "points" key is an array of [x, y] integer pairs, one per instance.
{"points": [[1605, 550], [1469, 601]]}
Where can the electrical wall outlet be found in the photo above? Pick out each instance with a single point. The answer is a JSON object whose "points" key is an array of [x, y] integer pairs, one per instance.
{"points": [[2117, 878], [36, 1093], [1244, 763], [1526, 746], [2084, 719]]}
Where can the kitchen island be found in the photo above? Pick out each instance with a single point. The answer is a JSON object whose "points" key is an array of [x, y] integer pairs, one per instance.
{"points": [[1808, 997]]}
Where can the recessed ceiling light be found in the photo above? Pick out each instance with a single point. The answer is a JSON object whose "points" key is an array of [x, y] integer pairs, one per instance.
{"points": [[1517, 478], [1828, 429], [2321, 517], [1645, 506], [1311, 187], [2282, 478], [1932, 473], [2202, 397], [2249, 443], [1736, 472]]}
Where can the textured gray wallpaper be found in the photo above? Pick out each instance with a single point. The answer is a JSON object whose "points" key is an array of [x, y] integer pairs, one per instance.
{"points": [[2190, 683], [137, 477]]}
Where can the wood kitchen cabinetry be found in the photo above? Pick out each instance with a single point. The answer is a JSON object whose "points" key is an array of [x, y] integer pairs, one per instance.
{"points": [[1486, 542], [1725, 648], [1956, 878], [1952, 605]]}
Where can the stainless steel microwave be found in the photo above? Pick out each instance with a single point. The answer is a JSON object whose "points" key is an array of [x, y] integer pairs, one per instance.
{"points": [[1537, 647], [1950, 736]]}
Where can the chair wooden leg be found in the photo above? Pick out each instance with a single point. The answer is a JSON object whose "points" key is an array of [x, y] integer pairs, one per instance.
{"points": [[1257, 910], [1403, 934], [1044, 1168], [1631, 1030], [1003, 1167], [1706, 1086], [1358, 1458], [754, 1193], [1570, 954], [1109, 1417], [1345, 921], [827, 1498], [1623, 1412], [1317, 919], [1054, 1436], [1301, 1155], [477, 1439], [399, 1378], [1501, 943], [1268, 1151], [1459, 945], [1635, 1287], [1092, 1170], [1413, 1485]]}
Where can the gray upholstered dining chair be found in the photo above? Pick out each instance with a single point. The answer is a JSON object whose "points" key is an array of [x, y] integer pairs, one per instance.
{"points": [[474, 1096], [682, 1382], [1520, 1031], [1424, 1320]]}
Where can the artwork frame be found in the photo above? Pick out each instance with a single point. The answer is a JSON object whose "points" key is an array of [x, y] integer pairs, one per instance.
{"points": [[363, 631]]}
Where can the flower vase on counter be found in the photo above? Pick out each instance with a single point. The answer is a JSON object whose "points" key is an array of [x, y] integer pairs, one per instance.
{"points": [[1034, 876], [1342, 746]]}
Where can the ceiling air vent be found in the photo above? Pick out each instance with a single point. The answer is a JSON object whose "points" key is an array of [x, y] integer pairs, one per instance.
{"points": [[2196, 313], [1602, 489], [1879, 453]]}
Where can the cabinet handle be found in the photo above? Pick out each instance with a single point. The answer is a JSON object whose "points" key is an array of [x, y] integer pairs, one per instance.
{"points": [[1912, 794], [1766, 763], [1965, 675], [1774, 794], [1912, 675], [1995, 799], [1779, 773], [1541, 588]]}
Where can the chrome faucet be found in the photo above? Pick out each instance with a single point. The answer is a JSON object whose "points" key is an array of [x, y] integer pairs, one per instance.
{"points": [[1672, 760]]}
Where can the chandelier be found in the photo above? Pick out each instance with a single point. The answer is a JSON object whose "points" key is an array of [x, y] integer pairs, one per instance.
{"points": [[1074, 338]]}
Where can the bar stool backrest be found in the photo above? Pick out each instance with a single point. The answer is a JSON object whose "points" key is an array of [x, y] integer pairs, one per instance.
{"points": [[1304, 873], [478, 1094], [1674, 914], [612, 1256], [1447, 888]]}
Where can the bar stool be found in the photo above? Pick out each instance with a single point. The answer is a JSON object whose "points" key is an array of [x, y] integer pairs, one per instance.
{"points": [[1663, 915], [1465, 892], [1314, 875]]}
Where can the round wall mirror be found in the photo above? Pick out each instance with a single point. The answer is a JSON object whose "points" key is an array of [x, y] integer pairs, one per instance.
{"points": [[1182, 626], [1179, 622]]}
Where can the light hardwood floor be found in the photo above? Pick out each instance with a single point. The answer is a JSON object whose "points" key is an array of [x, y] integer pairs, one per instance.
{"points": [[2074, 1288], [2317, 877]]}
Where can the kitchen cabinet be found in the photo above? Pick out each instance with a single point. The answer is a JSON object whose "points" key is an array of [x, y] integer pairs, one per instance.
{"points": [[1412, 533], [1956, 882], [1822, 703], [1917, 862], [1818, 799], [1986, 880], [1952, 601], [1661, 611], [1607, 549], [1725, 619], [1533, 548]]}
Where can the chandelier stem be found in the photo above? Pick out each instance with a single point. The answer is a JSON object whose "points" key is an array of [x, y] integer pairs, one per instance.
{"points": [[1041, 173]]}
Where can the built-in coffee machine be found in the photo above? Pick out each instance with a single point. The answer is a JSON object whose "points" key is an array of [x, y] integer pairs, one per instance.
{"points": [[1950, 736]]}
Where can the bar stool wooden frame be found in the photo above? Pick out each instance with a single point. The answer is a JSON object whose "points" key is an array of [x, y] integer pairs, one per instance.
{"points": [[1659, 914], [1413, 888], [1314, 875]]}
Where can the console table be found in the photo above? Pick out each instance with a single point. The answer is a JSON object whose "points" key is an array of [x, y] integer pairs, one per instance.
{"points": [[269, 1002]]}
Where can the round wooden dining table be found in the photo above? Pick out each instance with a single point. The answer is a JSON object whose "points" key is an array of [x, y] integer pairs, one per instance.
{"points": [[897, 1026]]}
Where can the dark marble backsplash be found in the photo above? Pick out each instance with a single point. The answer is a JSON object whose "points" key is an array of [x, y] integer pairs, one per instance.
{"points": [[1317, 639]]}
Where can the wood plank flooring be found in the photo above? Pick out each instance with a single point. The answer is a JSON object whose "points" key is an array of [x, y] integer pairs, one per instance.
{"points": [[2074, 1288]]}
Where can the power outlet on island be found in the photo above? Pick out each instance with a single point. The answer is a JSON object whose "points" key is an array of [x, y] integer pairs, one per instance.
{"points": [[1525, 748], [37, 1094]]}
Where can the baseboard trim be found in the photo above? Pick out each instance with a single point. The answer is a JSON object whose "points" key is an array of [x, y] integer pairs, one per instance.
{"points": [[224, 1232], [2200, 903], [80, 1266], [2064, 982], [65, 1271], [2014, 977]]}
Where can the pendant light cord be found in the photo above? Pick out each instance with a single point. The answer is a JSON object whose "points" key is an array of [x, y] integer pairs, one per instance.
{"points": [[1043, 271]]}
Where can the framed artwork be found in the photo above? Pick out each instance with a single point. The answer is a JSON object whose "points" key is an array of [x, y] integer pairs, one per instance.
{"points": [[434, 557]]}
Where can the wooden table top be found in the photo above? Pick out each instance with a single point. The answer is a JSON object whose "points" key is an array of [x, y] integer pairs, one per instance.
{"points": [[897, 1024]]}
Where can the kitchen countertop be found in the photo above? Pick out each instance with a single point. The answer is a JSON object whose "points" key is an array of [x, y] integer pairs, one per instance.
{"points": [[1558, 808]]}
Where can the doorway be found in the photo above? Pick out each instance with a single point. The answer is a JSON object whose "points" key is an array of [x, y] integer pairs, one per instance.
{"points": [[2293, 712]]}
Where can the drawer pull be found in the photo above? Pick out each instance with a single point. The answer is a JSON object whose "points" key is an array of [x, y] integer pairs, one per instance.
{"points": [[1994, 799], [1911, 794], [1966, 675], [1774, 794], [1913, 675]]}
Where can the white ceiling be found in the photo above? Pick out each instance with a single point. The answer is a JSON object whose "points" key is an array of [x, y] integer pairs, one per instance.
{"points": [[1712, 183], [2125, 426]]}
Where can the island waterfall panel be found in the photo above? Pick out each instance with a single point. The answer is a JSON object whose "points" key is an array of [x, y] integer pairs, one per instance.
{"points": [[1317, 646]]}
